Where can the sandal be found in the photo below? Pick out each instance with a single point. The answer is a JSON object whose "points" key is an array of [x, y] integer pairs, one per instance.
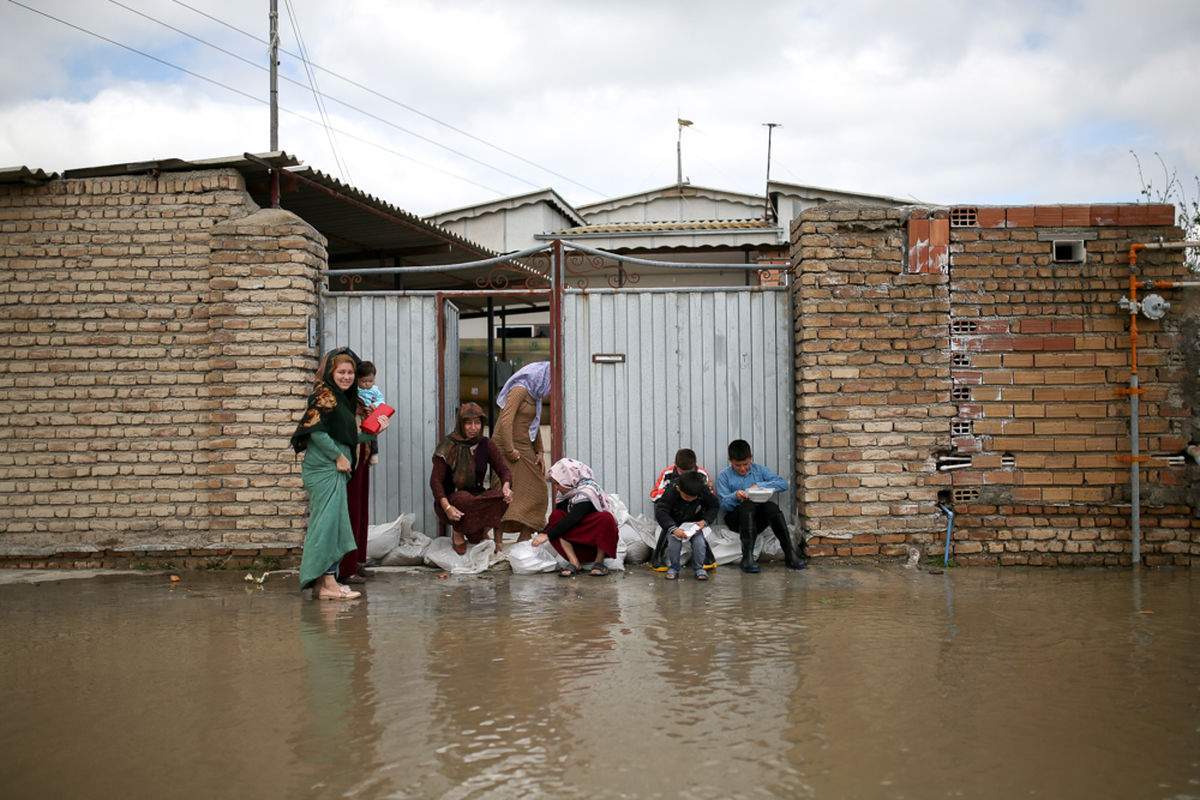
{"points": [[672, 574], [569, 571], [701, 575], [598, 571], [458, 547], [356, 579], [344, 593]]}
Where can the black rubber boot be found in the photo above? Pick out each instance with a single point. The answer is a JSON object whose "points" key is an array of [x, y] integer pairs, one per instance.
{"points": [[779, 528], [658, 559], [789, 552], [748, 563]]}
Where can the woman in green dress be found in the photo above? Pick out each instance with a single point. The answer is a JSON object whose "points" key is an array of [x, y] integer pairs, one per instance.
{"points": [[328, 435]]}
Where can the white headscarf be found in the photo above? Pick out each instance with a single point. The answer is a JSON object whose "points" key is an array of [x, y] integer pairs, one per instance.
{"points": [[535, 379]]}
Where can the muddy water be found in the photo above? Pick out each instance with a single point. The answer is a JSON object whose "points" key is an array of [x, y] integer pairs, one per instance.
{"points": [[837, 682]]}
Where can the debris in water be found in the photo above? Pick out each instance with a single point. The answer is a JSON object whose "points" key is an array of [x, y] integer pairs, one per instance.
{"points": [[250, 577]]}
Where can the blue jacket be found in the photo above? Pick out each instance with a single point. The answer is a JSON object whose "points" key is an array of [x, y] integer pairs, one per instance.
{"points": [[729, 483]]}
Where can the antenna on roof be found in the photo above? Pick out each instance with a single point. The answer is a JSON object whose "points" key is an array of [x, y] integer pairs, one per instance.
{"points": [[770, 126], [683, 123]]}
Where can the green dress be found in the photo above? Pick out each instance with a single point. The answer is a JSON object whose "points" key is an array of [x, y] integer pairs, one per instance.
{"points": [[329, 535], [330, 426]]}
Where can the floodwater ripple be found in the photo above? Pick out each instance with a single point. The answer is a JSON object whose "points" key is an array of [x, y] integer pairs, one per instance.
{"points": [[839, 681]]}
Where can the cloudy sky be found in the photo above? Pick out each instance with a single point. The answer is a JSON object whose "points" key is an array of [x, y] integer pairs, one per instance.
{"points": [[437, 104]]}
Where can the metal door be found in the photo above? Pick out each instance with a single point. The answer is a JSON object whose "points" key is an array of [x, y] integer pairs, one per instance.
{"points": [[646, 372], [399, 334]]}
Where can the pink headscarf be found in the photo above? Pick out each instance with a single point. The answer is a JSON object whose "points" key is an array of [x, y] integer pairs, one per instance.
{"points": [[576, 477]]}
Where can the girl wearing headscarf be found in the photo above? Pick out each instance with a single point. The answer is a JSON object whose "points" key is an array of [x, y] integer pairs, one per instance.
{"points": [[460, 467], [519, 436], [582, 524], [328, 435]]}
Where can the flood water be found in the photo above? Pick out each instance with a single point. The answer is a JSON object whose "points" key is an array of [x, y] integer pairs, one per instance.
{"points": [[837, 682]]}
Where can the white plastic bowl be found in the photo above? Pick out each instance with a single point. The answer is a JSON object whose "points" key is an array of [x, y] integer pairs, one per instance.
{"points": [[758, 494]]}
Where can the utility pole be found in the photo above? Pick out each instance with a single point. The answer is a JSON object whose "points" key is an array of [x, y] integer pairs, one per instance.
{"points": [[683, 123], [273, 53], [770, 126]]}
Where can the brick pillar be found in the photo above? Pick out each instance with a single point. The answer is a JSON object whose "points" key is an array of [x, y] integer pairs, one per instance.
{"points": [[264, 278]]}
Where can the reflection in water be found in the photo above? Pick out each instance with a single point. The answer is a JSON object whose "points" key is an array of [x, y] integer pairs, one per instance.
{"points": [[840, 681], [338, 724]]}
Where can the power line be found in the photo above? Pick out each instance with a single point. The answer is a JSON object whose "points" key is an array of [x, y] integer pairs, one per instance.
{"points": [[252, 97], [406, 107], [312, 79], [295, 82]]}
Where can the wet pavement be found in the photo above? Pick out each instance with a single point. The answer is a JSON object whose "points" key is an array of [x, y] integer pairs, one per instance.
{"points": [[842, 681]]}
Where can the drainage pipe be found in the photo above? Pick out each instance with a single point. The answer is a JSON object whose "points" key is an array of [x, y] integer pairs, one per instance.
{"points": [[1134, 391], [949, 512]]}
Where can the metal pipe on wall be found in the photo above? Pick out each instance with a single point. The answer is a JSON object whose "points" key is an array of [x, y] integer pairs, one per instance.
{"points": [[1134, 391]]}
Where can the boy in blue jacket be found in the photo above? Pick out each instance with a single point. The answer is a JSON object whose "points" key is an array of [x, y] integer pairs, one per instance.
{"points": [[747, 517]]}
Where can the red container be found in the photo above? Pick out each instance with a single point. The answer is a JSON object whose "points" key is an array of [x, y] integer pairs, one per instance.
{"points": [[371, 423]]}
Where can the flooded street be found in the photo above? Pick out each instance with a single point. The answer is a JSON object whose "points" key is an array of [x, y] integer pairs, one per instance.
{"points": [[836, 682]]}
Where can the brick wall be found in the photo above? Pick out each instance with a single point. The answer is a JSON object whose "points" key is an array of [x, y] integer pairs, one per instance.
{"points": [[154, 337], [947, 351]]}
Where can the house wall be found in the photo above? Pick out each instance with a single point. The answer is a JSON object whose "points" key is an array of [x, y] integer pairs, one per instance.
{"points": [[155, 349], [931, 334], [507, 230], [689, 206]]}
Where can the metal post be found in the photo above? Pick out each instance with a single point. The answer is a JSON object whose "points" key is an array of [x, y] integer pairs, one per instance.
{"points": [[557, 275], [1134, 478], [491, 370], [771, 126], [274, 56]]}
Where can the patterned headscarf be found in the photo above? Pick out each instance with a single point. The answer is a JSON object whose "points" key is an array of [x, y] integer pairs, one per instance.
{"points": [[330, 409], [576, 477], [455, 449], [535, 379]]}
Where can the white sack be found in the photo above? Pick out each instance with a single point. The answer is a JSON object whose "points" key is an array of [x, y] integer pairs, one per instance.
{"points": [[440, 553], [382, 539], [410, 551], [525, 559]]}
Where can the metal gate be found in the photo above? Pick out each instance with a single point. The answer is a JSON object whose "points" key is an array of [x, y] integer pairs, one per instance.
{"points": [[400, 334], [640, 374], [646, 372]]}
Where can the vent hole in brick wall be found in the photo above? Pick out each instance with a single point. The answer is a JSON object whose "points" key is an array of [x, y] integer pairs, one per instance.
{"points": [[964, 326], [1069, 252], [961, 427], [966, 495], [964, 216], [961, 393], [960, 360], [1008, 461]]}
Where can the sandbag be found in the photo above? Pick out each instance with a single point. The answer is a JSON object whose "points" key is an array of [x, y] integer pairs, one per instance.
{"points": [[725, 545], [440, 553], [382, 539], [631, 543], [525, 559], [410, 551], [619, 510]]}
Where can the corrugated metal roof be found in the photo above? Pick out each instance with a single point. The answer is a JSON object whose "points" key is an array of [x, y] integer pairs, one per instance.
{"points": [[364, 231], [714, 225], [25, 175], [361, 229]]}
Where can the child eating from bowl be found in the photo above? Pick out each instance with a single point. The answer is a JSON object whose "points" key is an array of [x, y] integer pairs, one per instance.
{"points": [[749, 517]]}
